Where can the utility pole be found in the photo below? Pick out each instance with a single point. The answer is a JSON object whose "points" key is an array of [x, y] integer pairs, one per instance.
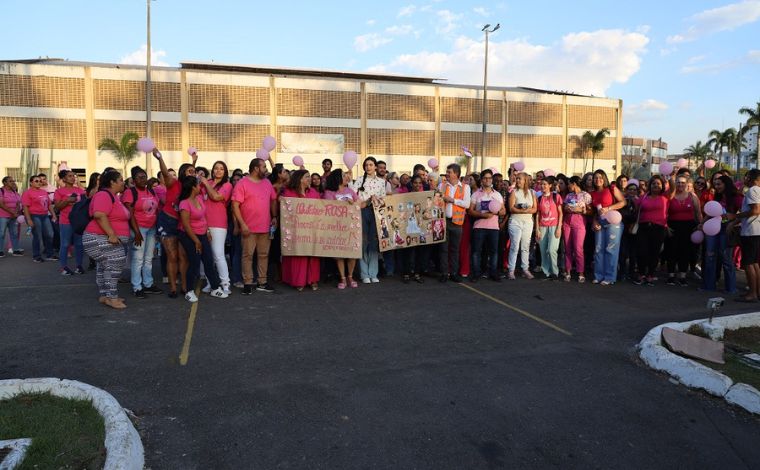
{"points": [[485, 97], [148, 159]]}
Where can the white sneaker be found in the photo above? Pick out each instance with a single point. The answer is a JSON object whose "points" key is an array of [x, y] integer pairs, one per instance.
{"points": [[206, 289], [366, 280], [218, 293], [191, 297], [375, 280], [226, 289], [165, 280], [238, 284]]}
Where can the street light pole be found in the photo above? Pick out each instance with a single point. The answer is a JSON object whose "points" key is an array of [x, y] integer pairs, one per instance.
{"points": [[485, 97], [148, 159]]}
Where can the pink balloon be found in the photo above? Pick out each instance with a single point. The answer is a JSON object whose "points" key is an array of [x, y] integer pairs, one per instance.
{"points": [[262, 154], [192, 151], [682, 162], [666, 168], [713, 209], [494, 206], [633, 181], [349, 158], [433, 163], [712, 226], [710, 164], [613, 217], [269, 143], [298, 161], [697, 237], [493, 170], [519, 166], [145, 145], [549, 172], [20, 219]]}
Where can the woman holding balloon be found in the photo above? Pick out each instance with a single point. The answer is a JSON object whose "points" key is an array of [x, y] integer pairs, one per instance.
{"points": [[653, 224], [607, 227], [684, 214], [717, 246]]}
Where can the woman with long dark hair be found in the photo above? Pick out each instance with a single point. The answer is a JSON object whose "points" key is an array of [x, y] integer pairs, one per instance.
{"points": [[576, 207], [717, 248], [195, 237], [605, 198], [279, 178], [92, 184], [371, 190], [653, 223], [299, 271], [336, 188], [217, 192]]}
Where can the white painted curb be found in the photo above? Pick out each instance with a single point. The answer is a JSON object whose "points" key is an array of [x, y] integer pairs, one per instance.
{"points": [[123, 445], [694, 374]]}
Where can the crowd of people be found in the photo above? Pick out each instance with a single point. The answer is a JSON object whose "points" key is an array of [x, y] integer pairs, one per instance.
{"points": [[209, 224]]}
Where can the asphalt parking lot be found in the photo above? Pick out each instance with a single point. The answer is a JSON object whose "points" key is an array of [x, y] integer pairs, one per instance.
{"points": [[528, 374]]}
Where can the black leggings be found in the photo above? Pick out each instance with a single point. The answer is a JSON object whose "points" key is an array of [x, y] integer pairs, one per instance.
{"points": [[648, 244], [681, 250]]}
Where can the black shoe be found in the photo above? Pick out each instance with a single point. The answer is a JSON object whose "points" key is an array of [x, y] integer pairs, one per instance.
{"points": [[2, 253], [152, 290], [671, 281], [140, 294], [264, 288], [38, 260], [683, 282], [92, 265], [638, 281], [473, 279], [79, 270], [124, 280], [406, 279], [54, 258], [443, 278], [495, 278], [18, 253], [172, 294], [457, 278], [418, 279], [248, 289]]}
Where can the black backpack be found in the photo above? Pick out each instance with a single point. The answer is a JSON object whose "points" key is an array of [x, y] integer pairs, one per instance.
{"points": [[80, 217]]}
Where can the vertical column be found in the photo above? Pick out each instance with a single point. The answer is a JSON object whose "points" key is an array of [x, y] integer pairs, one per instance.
{"points": [[565, 135], [273, 117], [184, 109], [89, 105], [619, 139], [363, 134], [437, 144], [504, 132]]}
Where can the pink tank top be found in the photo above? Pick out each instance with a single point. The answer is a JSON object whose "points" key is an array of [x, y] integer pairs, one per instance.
{"points": [[681, 211], [653, 210]]}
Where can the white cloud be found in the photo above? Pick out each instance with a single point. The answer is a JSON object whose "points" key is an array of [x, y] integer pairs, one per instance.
{"points": [[725, 18], [646, 111], [447, 21], [399, 30], [584, 62], [695, 59], [407, 10], [693, 65], [644, 29], [140, 57], [369, 41], [371, 22], [482, 11]]}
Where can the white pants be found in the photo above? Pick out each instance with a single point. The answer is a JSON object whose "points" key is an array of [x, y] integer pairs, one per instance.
{"points": [[520, 233], [218, 237]]}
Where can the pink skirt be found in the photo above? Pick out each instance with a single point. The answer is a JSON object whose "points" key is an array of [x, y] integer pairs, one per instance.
{"points": [[300, 271]]}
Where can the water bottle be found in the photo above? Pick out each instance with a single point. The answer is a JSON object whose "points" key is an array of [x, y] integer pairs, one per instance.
{"points": [[29, 231], [272, 229]]}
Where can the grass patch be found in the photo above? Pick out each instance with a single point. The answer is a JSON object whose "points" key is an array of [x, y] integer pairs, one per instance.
{"points": [[746, 338], [743, 338], [66, 433]]}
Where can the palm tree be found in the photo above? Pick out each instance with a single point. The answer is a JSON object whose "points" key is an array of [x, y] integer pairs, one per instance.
{"points": [[123, 151], [717, 140], [753, 119], [697, 151], [595, 143]]}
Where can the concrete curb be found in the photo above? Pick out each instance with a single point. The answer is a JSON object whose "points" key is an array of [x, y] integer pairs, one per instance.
{"points": [[693, 374], [123, 445]]}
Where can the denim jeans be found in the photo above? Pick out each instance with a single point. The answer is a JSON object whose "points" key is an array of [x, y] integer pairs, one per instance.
{"points": [[12, 226], [141, 264], [717, 250], [42, 234], [68, 237], [606, 251], [549, 244], [488, 239], [236, 258], [194, 259], [368, 264]]}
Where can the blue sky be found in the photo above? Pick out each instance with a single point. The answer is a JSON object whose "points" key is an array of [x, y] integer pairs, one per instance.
{"points": [[682, 68]]}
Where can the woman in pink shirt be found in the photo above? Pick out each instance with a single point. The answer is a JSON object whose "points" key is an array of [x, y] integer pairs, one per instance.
{"points": [[105, 236], [196, 239], [684, 214], [549, 227], [37, 210], [653, 223], [10, 208], [217, 192], [336, 189], [64, 199], [142, 203], [298, 271]]}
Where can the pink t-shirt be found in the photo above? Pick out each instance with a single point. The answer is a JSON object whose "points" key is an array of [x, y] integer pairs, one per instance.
{"points": [[172, 194], [481, 199], [681, 210], [62, 194], [37, 200], [12, 200], [146, 207], [160, 191], [255, 200], [654, 210], [216, 211], [578, 201], [197, 215], [118, 215], [345, 194], [549, 206]]}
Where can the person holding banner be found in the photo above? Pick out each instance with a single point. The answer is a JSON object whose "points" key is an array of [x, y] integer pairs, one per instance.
{"points": [[336, 188], [371, 189], [414, 260], [485, 208], [298, 271], [456, 195]]}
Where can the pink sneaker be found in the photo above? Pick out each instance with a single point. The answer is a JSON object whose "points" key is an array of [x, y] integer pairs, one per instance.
{"points": [[511, 276], [527, 275]]}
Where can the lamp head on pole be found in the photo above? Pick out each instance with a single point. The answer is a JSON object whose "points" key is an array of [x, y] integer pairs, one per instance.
{"points": [[486, 27]]}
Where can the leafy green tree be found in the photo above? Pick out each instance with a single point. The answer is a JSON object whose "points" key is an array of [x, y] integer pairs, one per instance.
{"points": [[699, 152], [753, 119], [593, 142], [124, 151]]}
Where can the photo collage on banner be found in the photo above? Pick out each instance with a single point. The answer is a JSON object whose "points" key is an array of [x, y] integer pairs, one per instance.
{"points": [[411, 219]]}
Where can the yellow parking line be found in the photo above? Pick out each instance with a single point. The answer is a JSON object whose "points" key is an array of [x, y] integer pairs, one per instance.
{"points": [[185, 354], [518, 310]]}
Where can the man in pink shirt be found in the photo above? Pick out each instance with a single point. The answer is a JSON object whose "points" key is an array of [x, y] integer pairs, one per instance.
{"points": [[485, 234], [64, 199], [254, 205]]}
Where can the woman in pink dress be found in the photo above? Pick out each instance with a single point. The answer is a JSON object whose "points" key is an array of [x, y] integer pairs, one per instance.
{"points": [[298, 271]]}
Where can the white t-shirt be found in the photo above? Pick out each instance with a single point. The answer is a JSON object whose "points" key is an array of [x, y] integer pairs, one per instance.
{"points": [[751, 225]]}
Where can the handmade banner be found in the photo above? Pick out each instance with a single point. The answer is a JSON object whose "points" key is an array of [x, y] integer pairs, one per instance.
{"points": [[411, 219], [314, 227]]}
